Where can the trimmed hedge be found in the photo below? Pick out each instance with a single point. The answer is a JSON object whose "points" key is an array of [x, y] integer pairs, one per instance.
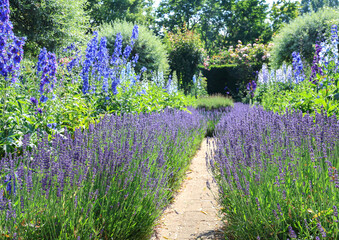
{"points": [[232, 76]]}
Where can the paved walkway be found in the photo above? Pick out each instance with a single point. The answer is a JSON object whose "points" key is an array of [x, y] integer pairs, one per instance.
{"points": [[194, 212]]}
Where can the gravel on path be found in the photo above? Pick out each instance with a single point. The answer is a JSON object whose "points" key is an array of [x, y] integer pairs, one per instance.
{"points": [[194, 211]]}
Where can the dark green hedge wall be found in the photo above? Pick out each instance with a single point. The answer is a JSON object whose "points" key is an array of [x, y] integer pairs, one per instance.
{"points": [[232, 76]]}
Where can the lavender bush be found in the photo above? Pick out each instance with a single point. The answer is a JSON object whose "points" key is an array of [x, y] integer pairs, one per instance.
{"points": [[278, 174], [108, 182]]}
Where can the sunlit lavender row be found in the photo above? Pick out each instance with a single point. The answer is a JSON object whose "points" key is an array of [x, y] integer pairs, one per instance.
{"points": [[277, 174], [108, 182]]}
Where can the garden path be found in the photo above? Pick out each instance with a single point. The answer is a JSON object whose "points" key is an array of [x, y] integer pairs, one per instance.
{"points": [[194, 211]]}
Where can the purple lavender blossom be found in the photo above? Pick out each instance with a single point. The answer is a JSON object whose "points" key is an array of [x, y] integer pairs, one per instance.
{"points": [[291, 232]]}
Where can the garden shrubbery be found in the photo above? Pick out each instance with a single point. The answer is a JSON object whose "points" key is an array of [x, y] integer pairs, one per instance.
{"points": [[185, 54], [74, 88], [213, 102], [294, 87], [87, 149], [230, 70], [301, 35]]}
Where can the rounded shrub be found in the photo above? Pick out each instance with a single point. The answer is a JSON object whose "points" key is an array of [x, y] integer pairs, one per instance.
{"points": [[152, 53], [185, 54], [301, 35]]}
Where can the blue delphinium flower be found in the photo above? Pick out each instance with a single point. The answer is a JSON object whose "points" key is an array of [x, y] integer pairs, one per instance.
{"points": [[91, 53], [334, 32], [135, 34], [114, 86], [46, 69], [34, 101], [52, 125], [142, 92], [127, 53], [117, 49], [70, 48], [42, 60], [11, 47], [102, 64], [297, 68]]}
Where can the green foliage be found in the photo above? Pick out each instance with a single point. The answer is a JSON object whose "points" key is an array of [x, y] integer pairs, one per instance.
{"points": [[213, 19], [185, 54], [107, 11], [315, 5], [136, 100], [49, 23], [282, 12], [70, 109], [301, 35], [152, 53], [307, 97], [214, 102], [247, 22], [174, 15]]}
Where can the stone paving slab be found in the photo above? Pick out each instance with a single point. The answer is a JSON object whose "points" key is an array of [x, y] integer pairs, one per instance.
{"points": [[194, 211]]}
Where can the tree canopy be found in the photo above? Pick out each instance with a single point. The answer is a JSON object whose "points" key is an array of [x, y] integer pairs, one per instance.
{"points": [[106, 11]]}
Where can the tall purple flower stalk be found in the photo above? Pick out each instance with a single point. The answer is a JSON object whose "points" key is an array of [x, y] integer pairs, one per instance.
{"points": [[11, 47], [316, 68], [46, 69], [87, 66], [298, 70], [100, 69]]}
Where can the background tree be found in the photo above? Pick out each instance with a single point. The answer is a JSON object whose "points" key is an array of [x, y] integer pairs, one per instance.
{"points": [[106, 11], [49, 23], [283, 11], [215, 15], [248, 22], [315, 5], [174, 14]]}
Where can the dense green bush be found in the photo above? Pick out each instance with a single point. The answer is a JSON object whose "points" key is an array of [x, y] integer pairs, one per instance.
{"points": [[152, 53], [301, 35], [49, 23], [185, 54]]}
